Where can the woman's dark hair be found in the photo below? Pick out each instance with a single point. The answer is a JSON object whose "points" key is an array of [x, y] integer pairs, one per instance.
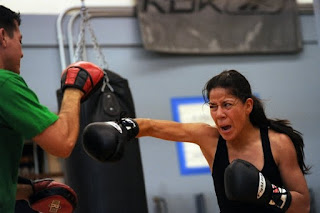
{"points": [[239, 87], [8, 18]]}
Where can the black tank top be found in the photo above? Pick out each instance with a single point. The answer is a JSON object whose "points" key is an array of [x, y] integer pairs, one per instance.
{"points": [[221, 161]]}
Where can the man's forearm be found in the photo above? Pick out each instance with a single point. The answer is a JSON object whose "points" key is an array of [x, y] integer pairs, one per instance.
{"points": [[24, 191], [70, 113]]}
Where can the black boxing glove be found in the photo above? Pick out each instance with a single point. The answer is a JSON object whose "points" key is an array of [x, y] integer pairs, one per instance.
{"points": [[84, 76], [104, 141], [244, 182]]}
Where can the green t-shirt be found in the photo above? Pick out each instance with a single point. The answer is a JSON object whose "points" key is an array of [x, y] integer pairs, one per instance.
{"points": [[21, 117]]}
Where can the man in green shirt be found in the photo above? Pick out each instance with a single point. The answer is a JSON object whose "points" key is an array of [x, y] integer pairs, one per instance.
{"points": [[23, 117]]}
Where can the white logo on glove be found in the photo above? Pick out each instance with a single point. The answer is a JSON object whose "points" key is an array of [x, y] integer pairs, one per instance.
{"points": [[262, 185], [129, 121]]}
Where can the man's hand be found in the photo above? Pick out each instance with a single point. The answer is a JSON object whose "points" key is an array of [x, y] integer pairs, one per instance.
{"points": [[82, 75]]}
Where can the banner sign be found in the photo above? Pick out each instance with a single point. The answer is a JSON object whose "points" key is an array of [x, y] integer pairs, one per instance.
{"points": [[219, 26]]}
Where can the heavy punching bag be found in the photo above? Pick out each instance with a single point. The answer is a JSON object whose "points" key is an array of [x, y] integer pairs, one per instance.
{"points": [[110, 187]]}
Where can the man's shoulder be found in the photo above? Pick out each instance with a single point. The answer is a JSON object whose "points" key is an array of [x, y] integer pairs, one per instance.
{"points": [[4, 72], [9, 77]]}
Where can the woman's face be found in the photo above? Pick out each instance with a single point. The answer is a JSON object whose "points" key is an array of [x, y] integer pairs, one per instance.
{"points": [[229, 113]]}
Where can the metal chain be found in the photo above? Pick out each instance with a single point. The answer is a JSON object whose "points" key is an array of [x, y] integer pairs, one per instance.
{"points": [[102, 61], [81, 43], [81, 38]]}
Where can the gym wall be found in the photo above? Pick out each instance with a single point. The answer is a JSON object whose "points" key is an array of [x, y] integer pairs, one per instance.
{"points": [[289, 84]]}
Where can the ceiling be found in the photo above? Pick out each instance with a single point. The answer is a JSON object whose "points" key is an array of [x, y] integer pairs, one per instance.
{"points": [[57, 6]]}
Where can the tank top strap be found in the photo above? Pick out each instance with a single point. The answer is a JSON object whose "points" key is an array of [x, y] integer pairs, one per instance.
{"points": [[270, 168], [266, 144], [221, 155], [268, 157]]}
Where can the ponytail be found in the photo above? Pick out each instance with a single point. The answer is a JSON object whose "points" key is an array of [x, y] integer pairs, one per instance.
{"points": [[258, 118], [284, 126]]}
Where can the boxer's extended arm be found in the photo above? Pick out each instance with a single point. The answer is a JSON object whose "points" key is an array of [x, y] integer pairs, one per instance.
{"points": [[104, 141], [176, 131]]}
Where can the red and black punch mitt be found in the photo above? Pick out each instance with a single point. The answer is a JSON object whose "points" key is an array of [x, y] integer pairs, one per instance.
{"points": [[82, 75], [52, 197]]}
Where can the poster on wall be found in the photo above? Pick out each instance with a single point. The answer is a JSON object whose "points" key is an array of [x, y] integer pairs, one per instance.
{"points": [[191, 110]]}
